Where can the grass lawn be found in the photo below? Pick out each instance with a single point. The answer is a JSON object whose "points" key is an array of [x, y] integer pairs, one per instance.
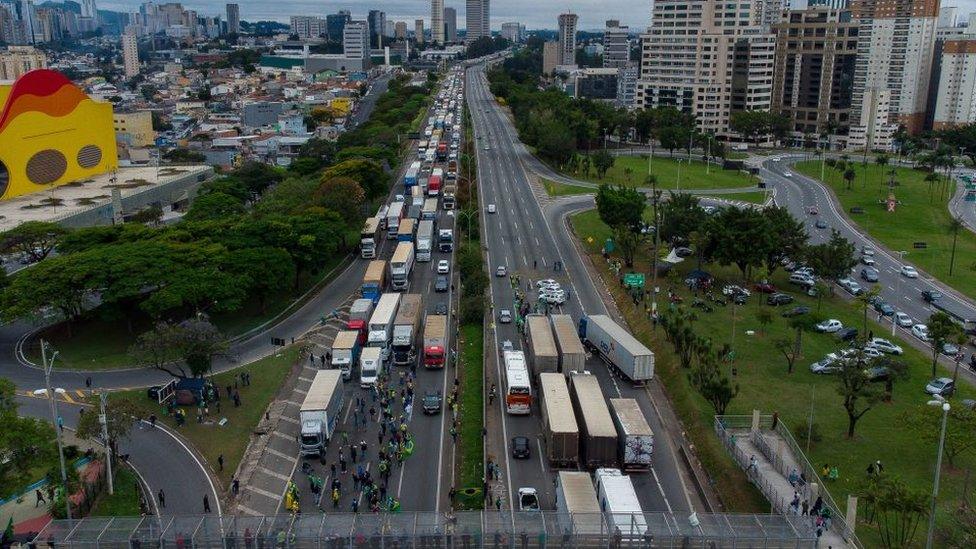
{"points": [[125, 501], [923, 215], [212, 440], [765, 384], [471, 466], [98, 343], [632, 170], [559, 189]]}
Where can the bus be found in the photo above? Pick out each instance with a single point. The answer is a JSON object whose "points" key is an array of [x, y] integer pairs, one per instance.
{"points": [[369, 238], [518, 389]]}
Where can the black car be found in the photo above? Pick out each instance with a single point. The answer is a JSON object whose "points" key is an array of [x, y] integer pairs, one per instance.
{"points": [[440, 283], [440, 309], [931, 295], [432, 402], [796, 311], [881, 306], [846, 334], [779, 299], [682, 251], [521, 448], [869, 274]]}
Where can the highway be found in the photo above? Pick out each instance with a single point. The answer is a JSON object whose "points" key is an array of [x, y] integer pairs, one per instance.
{"points": [[529, 241]]}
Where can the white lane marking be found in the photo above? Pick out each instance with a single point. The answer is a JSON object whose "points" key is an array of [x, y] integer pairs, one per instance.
{"points": [[661, 489], [213, 488], [542, 463]]}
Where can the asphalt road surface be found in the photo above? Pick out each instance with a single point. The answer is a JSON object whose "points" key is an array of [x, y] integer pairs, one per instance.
{"points": [[529, 242]]}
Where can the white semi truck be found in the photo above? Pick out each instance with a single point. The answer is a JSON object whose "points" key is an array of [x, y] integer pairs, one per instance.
{"points": [[319, 413]]}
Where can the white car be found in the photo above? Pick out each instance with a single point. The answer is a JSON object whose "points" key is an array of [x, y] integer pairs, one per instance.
{"points": [[871, 352], [921, 331], [908, 271], [903, 320], [867, 260], [787, 174], [505, 316], [501, 271], [885, 346], [553, 297], [830, 326], [528, 499], [491, 208], [443, 266], [546, 283]]}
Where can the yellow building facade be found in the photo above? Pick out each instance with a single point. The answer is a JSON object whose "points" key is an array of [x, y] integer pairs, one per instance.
{"points": [[134, 129], [51, 133]]}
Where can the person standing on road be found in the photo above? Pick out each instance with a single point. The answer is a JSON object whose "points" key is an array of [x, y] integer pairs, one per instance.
{"points": [[220, 462], [162, 498], [206, 504], [40, 498]]}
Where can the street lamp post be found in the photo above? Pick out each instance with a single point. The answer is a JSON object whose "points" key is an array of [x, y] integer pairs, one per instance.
{"points": [[938, 467], [48, 366], [103, 420]]}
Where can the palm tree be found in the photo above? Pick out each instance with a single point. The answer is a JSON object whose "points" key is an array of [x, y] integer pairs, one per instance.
{"points": [[931, 178], [881, 160], [849, 176], [865, 300], [954, 225]]}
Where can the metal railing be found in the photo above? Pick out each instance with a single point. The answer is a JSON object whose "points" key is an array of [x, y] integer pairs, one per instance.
{"points": [[473, 529], [783, 466]]}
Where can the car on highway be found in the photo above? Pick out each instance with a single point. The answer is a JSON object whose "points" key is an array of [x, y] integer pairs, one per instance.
{"points": [[931, 295], [908, 271], [867, 260], [440, 309], [950, 349], [507, 346], [505, 316], [528, 499], [867, 250], [432, 402], [443, 266], [501, 271], [796, 311], [440, 283], [882, 306], [884, 346], [829, 326], [903, 320], [553, 297], [820, 224], [921, 331], [869, 274], [547, 283], [787, 174], [779, 299], [852, 287], [491, 208], [942, 386], [812, 210], [521, 449]]}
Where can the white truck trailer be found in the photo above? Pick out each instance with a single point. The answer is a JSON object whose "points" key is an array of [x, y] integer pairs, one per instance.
{"points": [[635, 438], [617, 347], [319, 413], [618, 500]]}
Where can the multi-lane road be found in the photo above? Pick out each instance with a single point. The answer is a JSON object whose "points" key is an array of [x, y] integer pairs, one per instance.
{"points": [[530, 241]]}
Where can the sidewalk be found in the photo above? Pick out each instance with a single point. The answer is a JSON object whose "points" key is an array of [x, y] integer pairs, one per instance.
{"points": [[773, 461]]}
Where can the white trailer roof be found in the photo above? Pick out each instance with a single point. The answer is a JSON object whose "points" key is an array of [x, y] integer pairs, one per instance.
{"points": [[559, 407], [319, 395]]}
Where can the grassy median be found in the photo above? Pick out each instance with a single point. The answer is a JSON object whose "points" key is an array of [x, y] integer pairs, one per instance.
{"points": [[765, 384], [671, 174], [472, 444]]}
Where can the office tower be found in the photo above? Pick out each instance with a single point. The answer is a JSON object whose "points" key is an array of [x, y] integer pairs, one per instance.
{"points": [[955, 102], [550, 56], [233, 19], [512, 32], [377, 24], [895, 47], [334, 24], [355, 40], [450, 25], [948, 16], [28, 20], [418, 30], [717, 60], [307, 26], [567, 38], [437, 21], [400, 30], [389, 28], [816, 50], [477, 19], [17, 60], [11, 31], [130, 55], [616, 45]]}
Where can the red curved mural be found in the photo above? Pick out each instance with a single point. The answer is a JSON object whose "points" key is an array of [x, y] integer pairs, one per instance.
{"points": [[42, 90]]}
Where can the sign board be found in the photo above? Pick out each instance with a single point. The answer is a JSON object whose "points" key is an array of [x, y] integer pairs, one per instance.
{"points": [[634, 280]]}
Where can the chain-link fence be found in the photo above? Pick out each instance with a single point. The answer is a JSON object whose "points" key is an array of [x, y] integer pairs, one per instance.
{"points": [[476, 529]]}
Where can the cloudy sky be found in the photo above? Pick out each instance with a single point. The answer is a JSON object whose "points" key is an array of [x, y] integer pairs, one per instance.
{"points": [[533, 13]]}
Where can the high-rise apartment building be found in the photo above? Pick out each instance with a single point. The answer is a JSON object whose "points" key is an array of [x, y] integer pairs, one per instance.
{"points": [[477, 19], [616, 45], [334, 24], [308, 26], [955, 102], [17, 60], [896, 42], [567, 38], [233, 19], [550, 56], [715, 59], [400, 30], [512, 32], [816, 50], [355, 40], [450, 25], [377, 25], [418, 30], [130, 54], [948, 16], [437, 21]]}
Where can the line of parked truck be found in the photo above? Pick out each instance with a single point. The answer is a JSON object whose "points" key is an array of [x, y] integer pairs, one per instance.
{"points": [[583, 503]]}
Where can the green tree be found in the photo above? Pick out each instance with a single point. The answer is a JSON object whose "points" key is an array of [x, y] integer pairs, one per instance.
{"points": [[25, 443], [602, 161], [865, 300], [267, 271], [620, 206], [61, 282], [955, 224], [119, 415], [765, 318], [184, 155], [788, 237], [855, 387], [342, 195], [832, 259], [881, 160], [740, 237], [960, 435], [749, 124], [159, 348], [681, 216], [33, 240], [368, 173], [942, 330], [895, 508], [628, 242], [213, 206], [678, 326], [711, 382], [849, 176]]}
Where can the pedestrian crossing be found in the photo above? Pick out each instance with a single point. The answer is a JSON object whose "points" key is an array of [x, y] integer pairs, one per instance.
{"points": [[71, 396]]}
